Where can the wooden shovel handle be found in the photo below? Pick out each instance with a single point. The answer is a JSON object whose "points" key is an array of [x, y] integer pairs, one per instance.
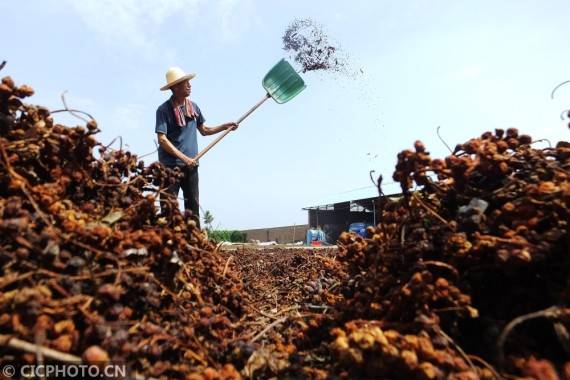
{"points": [[206, 149]]}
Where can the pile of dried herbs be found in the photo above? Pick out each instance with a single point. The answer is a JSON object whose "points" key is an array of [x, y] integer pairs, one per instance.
{"points": [[90, 267], [465, 277]]}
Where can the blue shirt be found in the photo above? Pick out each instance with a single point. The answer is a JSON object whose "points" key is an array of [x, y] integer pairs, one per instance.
{"points": [[183, 138]]}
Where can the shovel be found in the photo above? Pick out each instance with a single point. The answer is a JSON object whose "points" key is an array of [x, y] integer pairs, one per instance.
{"points": [[282, 83]]}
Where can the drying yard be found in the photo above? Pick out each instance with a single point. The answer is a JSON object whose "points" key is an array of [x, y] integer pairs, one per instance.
{"points": [[466, 276]]}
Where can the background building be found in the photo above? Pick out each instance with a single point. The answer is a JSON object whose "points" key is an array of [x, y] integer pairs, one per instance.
{"points": [[333, 215]]}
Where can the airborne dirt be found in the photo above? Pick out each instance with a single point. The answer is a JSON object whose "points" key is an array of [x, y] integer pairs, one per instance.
{"points": [[312, 48]]}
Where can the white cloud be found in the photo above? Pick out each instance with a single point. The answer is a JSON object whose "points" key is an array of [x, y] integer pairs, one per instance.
{"points": [[236, 16], [130, 23], [134, 24]]}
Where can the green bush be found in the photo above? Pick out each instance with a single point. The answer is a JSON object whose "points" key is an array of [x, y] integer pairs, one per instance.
{"points": [[232, 236]]}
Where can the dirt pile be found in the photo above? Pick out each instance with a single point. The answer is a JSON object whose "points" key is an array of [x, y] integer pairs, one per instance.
{"points": [[89, 267]]}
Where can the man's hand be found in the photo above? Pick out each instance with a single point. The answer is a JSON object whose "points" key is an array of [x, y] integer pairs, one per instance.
{"points": [[190, 162], [231, 125], [207, 131]]}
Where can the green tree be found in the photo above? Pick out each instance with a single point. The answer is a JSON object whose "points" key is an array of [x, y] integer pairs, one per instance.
{"points": [[208, 219]]}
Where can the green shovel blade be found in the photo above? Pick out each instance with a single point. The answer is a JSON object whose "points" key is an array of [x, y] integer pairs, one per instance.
{"points": [[282, 82]]}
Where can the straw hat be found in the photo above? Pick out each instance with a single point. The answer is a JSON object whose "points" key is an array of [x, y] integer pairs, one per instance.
{"points": [[175, 75]]}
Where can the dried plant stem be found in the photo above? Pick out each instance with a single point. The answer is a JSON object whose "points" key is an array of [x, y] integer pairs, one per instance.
{"points": [[148, 154], [88, 247], [553, 312], [49, 353], [269, 327], [442, 140], [428, 209], [227, 265], [71, 111], [264, 313], [22, 184], [557, 87], [486, 365], [563, 336], [113, 141], [11, 278], [459, 349], [441, 264], [18, 344], [294, 307]]}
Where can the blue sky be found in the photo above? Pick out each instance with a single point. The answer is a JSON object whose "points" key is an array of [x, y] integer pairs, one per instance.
{"points": [[467, 66]]}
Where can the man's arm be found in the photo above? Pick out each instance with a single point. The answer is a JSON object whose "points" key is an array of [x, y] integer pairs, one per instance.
{"points": [[207, 131], [165, 144]]}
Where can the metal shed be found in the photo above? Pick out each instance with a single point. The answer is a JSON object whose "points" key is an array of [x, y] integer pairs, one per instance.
{"points": [[335, 214]]}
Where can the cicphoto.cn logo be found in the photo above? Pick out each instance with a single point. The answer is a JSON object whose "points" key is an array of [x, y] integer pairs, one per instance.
{"points": [[64, 371]]}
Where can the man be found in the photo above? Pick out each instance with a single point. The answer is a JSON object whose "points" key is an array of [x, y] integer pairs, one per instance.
{"points": [[177, 121]]}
